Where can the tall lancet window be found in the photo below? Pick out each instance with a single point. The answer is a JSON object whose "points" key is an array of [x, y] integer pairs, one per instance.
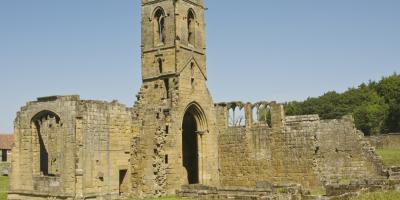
{"points": [[191, 24], [160, 65], [159, 26]]}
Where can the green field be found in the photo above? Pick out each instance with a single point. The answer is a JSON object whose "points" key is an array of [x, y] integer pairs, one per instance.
{"points": [[390, 156], [386, 195], [3, 187]]}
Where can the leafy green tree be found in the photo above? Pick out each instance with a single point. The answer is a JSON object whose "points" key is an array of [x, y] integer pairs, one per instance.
{"points": [[389, 88], [374, 105], [369, 118]]}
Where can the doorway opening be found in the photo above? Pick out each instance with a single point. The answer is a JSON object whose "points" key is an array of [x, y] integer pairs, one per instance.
{"points": [[123, 185], [190, 148]]}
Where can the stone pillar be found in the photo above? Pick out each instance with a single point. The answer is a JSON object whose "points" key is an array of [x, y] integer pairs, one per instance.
{"points": [[248, 113], [277, 116]]}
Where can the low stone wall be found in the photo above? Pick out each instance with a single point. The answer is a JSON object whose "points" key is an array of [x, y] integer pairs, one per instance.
{"points": [[346, 191], [263, 191], [385, 141]]}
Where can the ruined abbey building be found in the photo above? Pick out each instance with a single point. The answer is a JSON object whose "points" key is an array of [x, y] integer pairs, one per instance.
{"points": [[175, 135]]}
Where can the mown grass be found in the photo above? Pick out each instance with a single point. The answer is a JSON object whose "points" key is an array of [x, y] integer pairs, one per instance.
{"points": [[3, 187], [390, 156], [382, 195]]}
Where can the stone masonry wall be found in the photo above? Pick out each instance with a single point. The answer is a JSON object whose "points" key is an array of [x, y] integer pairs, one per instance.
{"points": [[54, 118], [103, 148], [86, 144], [303, 149], [260, 153], [342, 153], [174, 83]]}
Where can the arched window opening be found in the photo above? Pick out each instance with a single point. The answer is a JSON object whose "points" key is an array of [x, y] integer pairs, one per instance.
{"points": [[262, 115], [236, 117], [48, 130], [254, 113], [160, 65], [159, 27], [191, 24]]}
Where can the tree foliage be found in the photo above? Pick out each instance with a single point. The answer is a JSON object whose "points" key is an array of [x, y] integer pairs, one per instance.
{"points": [[374, 105]]}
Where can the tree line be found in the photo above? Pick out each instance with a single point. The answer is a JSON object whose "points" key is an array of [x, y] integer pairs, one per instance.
{"points": [[375, 106]]}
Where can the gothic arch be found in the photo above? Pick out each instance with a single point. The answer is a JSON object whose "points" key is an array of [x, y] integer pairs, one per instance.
{"points": [[158, 19], [191, 26], [44, 113], [194, 125], [201, 120], [46, 129]]}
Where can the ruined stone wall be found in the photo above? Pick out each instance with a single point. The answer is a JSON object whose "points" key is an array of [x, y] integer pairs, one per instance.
{"points": [[385, 141], [103, 138], [239, 164], [27, 176], [69, 148], [249, 155], [342, 152], [295, 149]]}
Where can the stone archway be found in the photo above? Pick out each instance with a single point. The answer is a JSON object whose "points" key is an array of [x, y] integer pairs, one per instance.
{"points": [[193, 127], [47, 130]]}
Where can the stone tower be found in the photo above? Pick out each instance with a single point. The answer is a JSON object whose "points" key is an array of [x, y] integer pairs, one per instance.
{"points": [[176, 135]]}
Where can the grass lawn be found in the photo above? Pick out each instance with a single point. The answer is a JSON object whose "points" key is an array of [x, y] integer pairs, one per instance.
{"points": [[386, 195], [390, 156], [163, 198], [3, 187]]}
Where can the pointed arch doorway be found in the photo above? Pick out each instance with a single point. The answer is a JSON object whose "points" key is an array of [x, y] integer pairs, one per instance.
{"points": [[193, 126]]}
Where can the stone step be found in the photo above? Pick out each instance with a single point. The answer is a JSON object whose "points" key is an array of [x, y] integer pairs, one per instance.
{"points": [[240, 193]]}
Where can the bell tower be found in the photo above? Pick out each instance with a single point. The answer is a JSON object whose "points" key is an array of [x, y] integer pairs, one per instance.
{"points": [[172, 36], [174, 114]]}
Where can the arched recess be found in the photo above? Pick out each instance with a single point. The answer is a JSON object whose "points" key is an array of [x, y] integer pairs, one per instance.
{"points": [[46, 127], [191, 25], [159, 26], [194, 126]]}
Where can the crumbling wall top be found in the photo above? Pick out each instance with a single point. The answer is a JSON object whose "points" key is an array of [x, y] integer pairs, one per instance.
{"points": [[301, 118], [57, 97]]}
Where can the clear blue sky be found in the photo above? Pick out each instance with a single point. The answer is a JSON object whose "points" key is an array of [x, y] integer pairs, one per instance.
{"points": [[257, 49]]}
